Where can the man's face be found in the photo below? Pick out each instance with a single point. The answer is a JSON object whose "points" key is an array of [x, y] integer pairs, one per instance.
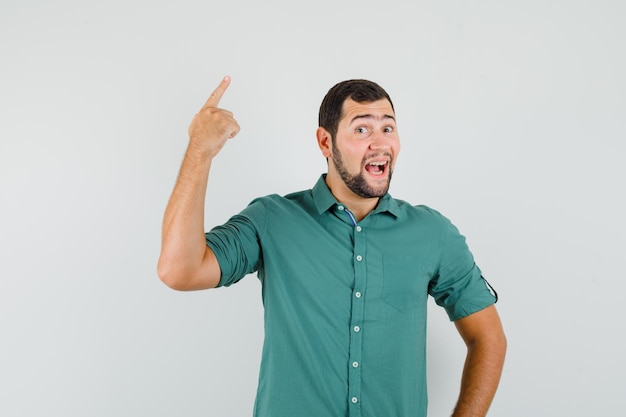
{"points": [[365, 147]]}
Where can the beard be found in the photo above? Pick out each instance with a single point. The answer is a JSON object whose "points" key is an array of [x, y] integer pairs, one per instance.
{"points": [[357, 183]]}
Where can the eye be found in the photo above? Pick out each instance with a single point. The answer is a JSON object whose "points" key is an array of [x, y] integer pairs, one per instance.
{"points": [[361, 129], [388, 129]]}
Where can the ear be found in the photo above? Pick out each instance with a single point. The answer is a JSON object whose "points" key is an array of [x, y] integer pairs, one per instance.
{"points": [[324, 141]]}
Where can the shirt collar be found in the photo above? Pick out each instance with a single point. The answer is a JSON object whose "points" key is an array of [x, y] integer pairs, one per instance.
{"points": [[324, 200]]}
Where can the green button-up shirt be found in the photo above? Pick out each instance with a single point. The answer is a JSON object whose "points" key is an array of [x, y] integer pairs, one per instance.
{"points": [[345, 301]]}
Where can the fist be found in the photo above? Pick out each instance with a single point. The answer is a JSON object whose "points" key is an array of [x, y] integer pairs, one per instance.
{"points": [[211, 127]]}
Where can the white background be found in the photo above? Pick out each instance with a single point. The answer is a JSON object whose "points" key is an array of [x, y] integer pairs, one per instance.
{"points": [[512, 118]]}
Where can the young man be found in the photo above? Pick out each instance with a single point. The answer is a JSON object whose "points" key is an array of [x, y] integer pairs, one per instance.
{"points": [[346, 270]]}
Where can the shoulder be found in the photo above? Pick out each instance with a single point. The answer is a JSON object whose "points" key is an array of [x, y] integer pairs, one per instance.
{"points": [[421, 212], [424, 220], [280, 200], [275, 203]]}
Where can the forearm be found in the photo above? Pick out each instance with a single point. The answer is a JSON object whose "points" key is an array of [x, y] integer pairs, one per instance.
{"points": [[481, 375], [182, 242]]}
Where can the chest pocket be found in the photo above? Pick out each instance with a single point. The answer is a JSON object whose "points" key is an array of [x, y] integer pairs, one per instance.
{"points": [[405, 282]]}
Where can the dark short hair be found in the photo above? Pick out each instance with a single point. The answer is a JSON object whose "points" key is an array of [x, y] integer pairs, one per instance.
{"points": [[361, 91]]}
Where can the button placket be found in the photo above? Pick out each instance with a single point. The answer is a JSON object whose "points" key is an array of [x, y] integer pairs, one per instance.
{"points": [[356, 322]]}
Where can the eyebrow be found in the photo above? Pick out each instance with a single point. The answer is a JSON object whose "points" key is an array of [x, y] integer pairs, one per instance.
{"points": [[371, 116]]}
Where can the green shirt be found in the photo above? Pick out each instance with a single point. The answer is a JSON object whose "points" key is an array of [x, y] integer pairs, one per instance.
{"points": [[345, 302]]}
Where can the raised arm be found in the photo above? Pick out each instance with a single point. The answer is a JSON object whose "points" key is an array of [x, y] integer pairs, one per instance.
{"points": [[486, 348], [186, 262]]}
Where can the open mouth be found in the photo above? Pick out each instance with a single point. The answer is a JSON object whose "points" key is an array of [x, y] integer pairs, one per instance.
{"points": [[377, 167]]}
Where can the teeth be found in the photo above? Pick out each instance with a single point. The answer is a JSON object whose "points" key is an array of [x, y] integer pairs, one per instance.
{"points": [[377, 163]]}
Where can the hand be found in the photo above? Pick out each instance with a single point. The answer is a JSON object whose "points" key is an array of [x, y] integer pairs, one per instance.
{"points": [[211, 127]]}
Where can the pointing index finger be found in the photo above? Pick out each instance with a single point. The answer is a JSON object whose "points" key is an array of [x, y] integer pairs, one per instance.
{"points": [[216, 96]]}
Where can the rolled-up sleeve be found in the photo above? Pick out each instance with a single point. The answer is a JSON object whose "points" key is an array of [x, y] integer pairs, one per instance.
{"points": [[458, 285], [236, 244]]}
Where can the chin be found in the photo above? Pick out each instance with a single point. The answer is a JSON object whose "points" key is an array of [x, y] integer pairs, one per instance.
{"points": [[375, 190]]}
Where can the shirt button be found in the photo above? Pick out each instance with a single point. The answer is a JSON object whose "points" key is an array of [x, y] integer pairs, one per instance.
{"points": [[357, 294], [357, 329], [355, 364], [359, 258], [355, 400], [358, 228], [340, 207]]}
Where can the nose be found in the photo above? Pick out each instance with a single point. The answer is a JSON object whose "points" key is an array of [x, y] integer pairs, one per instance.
{"points": [[380, 142]]}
